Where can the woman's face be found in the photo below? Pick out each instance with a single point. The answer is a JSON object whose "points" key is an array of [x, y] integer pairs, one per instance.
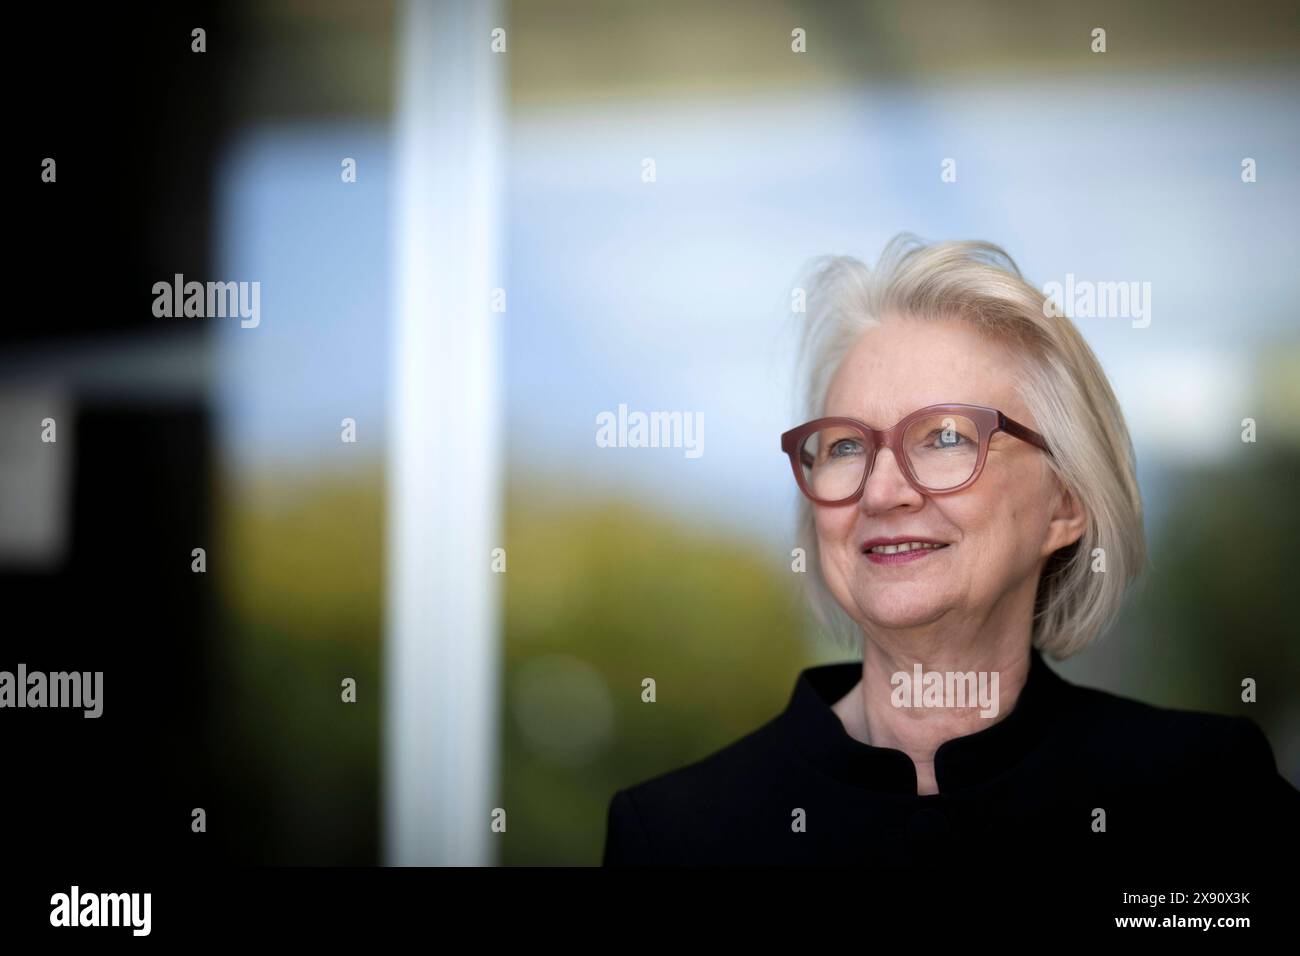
{"points": [[997, 533]]}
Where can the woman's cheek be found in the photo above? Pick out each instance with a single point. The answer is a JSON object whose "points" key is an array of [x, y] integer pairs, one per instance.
{"points": [[838, 582], [833, 540], [1001, 559]]}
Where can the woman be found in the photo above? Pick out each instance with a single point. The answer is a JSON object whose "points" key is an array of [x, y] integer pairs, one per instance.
{"points": [[968, 505]]}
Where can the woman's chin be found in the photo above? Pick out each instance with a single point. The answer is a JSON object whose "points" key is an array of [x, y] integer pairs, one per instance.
{"points": [[896, 618]]}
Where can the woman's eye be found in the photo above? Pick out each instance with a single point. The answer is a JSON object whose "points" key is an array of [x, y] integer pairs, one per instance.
{"points": [[947, 438], [843, 447]]}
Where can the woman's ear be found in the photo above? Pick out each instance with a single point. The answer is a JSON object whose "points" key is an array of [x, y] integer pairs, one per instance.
{"points": [[1068, 522]]}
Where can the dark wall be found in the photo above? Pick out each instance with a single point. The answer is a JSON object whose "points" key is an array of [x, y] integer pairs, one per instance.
{"points": [[133, 119]]}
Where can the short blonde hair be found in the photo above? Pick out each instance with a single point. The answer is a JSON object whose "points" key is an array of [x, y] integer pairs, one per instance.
{"points": [[1061, 382]]}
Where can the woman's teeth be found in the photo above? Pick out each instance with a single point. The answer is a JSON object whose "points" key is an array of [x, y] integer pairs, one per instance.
{"points": [[907, 546]]}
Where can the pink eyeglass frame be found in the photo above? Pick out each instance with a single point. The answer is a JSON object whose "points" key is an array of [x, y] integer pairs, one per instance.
{"points": [[988, 421]]}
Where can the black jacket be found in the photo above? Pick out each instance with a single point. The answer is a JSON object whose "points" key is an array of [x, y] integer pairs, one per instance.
{"points": [[1177, 788]]}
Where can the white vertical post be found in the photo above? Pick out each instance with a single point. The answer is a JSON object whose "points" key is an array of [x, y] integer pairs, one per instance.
{"points": [[441, 651]]}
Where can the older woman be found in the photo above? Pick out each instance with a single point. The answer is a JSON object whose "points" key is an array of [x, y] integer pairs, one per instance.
{"points": [[968, 504]]}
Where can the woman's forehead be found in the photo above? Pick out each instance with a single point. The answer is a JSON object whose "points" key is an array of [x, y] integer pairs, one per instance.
{"points": [[899, 366]]}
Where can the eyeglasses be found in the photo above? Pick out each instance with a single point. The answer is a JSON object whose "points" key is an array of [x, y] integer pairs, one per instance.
{"points": [[940, 450]]}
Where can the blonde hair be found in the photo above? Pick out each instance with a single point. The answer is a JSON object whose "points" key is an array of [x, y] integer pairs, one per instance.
{"points": [[1062, 384]]}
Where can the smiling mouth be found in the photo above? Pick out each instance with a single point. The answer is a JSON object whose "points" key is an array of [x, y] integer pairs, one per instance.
{"points": [[904, 548]]}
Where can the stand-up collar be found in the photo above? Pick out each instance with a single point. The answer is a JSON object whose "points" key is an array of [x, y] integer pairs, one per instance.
{"points": [[962, 762]]}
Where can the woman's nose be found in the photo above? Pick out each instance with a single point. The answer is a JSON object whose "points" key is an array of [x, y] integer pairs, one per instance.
{"points": [[887, 487]]}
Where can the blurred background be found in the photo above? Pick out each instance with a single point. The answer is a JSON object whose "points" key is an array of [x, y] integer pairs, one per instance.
{"points": [[648, 187]]}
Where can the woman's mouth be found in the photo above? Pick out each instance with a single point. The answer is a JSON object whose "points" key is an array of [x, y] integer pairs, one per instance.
{"points": [[901, 552]]}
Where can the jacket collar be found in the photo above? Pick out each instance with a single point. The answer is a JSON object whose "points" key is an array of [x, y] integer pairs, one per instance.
{"points": [[962, 762]]}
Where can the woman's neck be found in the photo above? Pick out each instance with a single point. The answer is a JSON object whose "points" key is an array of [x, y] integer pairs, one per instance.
{"points": [[966, 686]]}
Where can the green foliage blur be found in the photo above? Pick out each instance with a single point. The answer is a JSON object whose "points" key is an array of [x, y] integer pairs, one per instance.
{"points": [[1216, 607], [599, 595], [713, 620]]}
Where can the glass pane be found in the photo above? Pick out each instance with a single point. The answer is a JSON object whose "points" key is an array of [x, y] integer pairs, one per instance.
{"points": [[834, 460], [942, 449]]}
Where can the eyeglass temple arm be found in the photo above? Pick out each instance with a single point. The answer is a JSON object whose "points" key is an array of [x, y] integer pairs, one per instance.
{"points": [[1024, 433]]}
